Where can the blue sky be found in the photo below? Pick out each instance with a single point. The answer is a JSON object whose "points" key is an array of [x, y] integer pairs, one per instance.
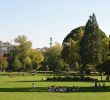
{"points": [[41, 19]]}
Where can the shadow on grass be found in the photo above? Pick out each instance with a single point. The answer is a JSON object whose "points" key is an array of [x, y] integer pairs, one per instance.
{"points": [[57, 81], [38, 89], [45, 89]]}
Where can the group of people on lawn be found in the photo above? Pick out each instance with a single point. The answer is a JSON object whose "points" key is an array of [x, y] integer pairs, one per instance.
{"points": [[62, 89]]}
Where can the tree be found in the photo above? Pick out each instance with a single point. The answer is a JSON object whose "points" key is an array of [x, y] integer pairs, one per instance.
{"points": [[22, 57], [105, 66], [88, 44], [76, 66], [21, 49], [105, 49], [27, 63], [90, 50], [51, 54], [11, 57], [37, 57], [109, 46], [60, 65], [71, 52], [17, 64], [3, 63], [71, 48]]}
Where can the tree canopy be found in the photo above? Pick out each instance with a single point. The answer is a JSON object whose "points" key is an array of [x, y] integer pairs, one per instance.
{"points": [[22, 57], [89, 43]]}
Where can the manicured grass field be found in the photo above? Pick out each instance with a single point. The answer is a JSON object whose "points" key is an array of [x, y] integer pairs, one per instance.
{"points": [[20, 88]]}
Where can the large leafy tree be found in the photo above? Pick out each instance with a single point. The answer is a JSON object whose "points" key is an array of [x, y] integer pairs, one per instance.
{"points": [[105, 66], [22, 50], [85, 45], [16, 64], [37, 58], [105, 48], [51, 54], [61, 65], [22, 57], [90, 50], [109, 46], [71, 48], [27, 63], [3, 65]]}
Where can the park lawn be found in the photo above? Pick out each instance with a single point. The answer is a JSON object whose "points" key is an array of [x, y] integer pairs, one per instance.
{"points": [[20, 88], [53, 96]]}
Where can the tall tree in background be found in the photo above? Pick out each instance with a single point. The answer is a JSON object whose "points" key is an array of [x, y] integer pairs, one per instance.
{"points": [[3, 65], [105, 48], [16, 64], [91, 43], [22, 57], [37, 58], [22, 50], [109, 45], [71, 48], [51, 54], [70, 53]]}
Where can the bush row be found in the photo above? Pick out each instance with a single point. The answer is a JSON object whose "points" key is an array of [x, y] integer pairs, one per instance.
{"points": [[71, 79]]}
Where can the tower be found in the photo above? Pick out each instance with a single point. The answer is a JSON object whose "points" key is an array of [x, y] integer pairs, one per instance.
{"points": [[51, 42]]}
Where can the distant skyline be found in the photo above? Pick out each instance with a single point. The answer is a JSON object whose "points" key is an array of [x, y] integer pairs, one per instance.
{"points": [[41, 19]]}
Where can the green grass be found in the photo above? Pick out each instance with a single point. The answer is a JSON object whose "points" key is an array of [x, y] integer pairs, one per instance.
{"points": [[54, 96], [20, 88]]}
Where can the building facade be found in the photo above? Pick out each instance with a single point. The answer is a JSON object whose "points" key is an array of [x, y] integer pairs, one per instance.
{"points": [[5, 47]]}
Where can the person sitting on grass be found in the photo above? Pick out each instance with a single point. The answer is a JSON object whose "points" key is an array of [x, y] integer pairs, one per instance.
{"points": [[62, 89]]}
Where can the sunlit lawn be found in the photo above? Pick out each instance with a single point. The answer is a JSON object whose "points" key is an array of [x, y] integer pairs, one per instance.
{"points": [[20, 88]]}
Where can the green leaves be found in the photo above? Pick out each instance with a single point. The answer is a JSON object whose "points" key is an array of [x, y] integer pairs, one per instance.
{"points": [[88, 46], [51, 56], [91, 43], [17, 65], [71, 47], [36, 57], [22, 57], [3, 65]]}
